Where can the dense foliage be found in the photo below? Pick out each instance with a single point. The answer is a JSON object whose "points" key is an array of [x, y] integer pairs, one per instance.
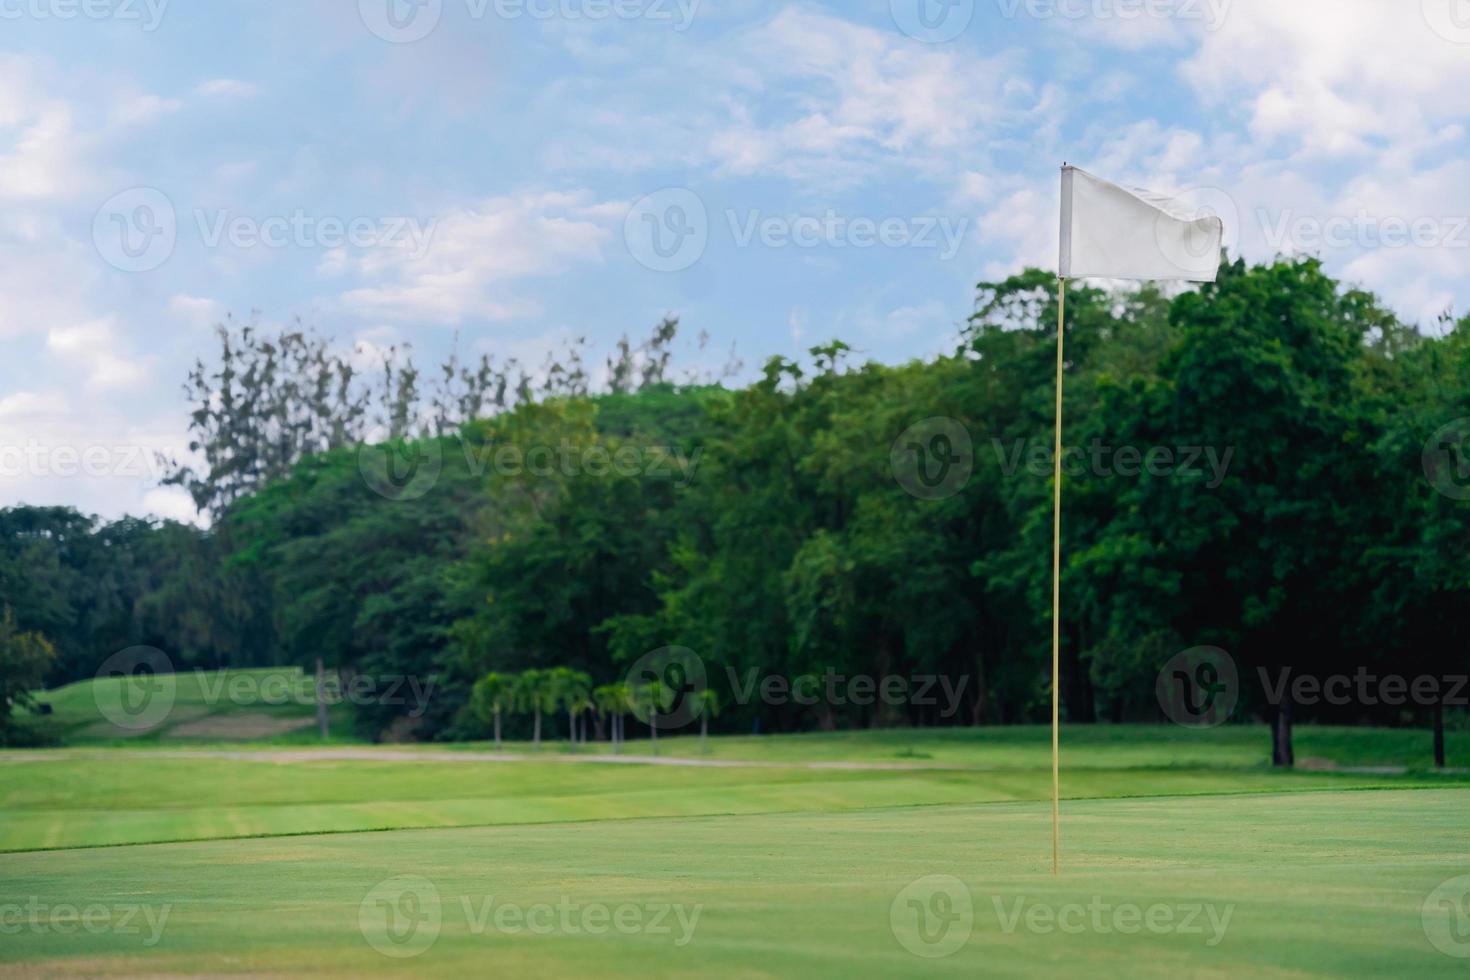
{"points": [[1268, 465]]}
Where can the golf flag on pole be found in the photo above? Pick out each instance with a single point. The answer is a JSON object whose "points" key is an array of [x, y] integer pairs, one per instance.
{"points": [[1116, 233], [1111, 232]]}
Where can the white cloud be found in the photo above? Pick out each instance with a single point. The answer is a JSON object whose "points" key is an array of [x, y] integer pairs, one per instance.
{"points": [[197, 311], [40, 151], [1330, 78], [476, 254], [94, 350], [227, 88], [32, 404], [860, 96]]}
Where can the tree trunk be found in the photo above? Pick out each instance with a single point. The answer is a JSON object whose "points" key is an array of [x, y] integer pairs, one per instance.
{"points": [[497, 729], [321, 698], [536, 731], [1281, 752], [653, 731], [571, 727], [1439, 734], [617, 732], [703, 732]]}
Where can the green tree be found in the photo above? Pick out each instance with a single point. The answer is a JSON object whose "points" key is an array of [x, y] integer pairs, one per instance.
{"points": [[24, 660], [493, 695]]}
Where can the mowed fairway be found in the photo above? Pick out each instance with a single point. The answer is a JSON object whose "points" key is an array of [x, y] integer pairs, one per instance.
{"points": [[554, 867]]}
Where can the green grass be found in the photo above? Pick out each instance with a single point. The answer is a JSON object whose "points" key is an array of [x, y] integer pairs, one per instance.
{"points": [[272, 705], [1315, 885], [114, 798], [1083, 746], [259, 856]]}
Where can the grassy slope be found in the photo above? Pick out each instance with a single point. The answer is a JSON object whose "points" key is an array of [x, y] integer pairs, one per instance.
{"points": [[205, 707], [1321, 885]]}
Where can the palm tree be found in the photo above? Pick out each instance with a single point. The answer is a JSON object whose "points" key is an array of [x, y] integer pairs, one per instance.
{"points": [[709, 706], [535, 692], [569, 689], [493, 694], [614, 701], [583, 707], [651, 698]]}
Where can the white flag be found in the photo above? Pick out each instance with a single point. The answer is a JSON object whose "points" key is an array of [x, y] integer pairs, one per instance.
{"points": [[1115, 233]]}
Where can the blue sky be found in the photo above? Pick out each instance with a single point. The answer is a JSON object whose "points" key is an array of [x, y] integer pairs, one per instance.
{"points": [[402, 170]]}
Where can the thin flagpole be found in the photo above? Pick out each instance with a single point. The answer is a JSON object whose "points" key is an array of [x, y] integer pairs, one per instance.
{"points": [[1056, 593]]}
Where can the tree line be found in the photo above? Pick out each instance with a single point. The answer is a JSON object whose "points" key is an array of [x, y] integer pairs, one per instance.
{"points": [[1273, 465]]}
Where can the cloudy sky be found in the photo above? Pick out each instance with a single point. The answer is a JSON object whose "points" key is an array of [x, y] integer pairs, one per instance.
{"points": [[523, 171]]}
